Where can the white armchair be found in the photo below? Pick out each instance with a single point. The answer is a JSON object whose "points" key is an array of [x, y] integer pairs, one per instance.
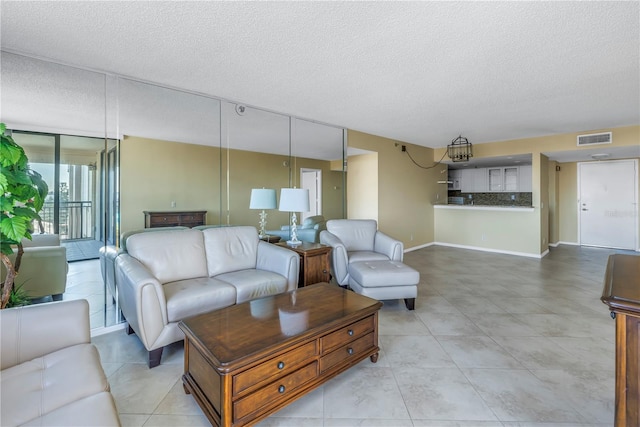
{"points": [[43, 268], [355, 240]]}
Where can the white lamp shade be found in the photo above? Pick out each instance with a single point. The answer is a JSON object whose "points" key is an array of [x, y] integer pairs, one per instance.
{"points": [[294, 200], [263, 198]]}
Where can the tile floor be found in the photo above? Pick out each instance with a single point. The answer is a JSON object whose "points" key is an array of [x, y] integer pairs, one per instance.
{"points": [[495, 340]]}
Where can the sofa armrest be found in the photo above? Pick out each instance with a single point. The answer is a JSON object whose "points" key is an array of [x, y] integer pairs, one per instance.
{"points": [[141, 299], [339, 257], [108, 256], [33, 331], [279, 260], [389, 246]]}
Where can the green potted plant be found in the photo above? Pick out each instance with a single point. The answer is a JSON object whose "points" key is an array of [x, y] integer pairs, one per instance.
{"points": [[23, 192]]}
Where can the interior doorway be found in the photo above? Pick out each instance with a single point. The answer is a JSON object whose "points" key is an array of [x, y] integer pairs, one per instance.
{"points": [[311, 179], [608, 204]]}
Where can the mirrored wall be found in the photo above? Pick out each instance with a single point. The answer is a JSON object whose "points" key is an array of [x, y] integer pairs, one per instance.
{"points": [[113, 148]]}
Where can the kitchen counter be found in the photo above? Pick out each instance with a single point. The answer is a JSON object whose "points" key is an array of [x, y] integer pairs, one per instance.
{"points": [[487, 208]]}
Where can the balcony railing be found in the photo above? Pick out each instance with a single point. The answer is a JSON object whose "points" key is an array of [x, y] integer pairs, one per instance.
{"points": [[76, 219]]}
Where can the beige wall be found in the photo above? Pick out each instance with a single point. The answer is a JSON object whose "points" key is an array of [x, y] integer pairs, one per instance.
{"points": [[622, 137], [154, 173], [362, 186], [568, 203], [406, 192]]}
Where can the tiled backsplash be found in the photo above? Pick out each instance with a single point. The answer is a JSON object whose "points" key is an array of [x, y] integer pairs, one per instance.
{"points": [[493, 199]]}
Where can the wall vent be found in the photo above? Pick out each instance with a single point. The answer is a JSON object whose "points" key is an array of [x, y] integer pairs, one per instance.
{"points": [[595, 139]]}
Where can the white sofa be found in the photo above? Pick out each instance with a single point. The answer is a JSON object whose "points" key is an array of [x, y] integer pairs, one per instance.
{"points": [[167, 276], [51, 373]]}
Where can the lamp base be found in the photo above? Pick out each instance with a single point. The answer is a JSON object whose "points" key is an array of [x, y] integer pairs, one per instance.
{"points": [[294, 242]]}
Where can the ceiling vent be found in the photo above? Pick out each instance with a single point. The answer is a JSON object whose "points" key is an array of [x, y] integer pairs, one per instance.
{"points": [[594, 139]]}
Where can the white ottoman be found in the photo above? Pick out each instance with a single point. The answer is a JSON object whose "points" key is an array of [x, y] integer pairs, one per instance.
{"points": [[385, 280]]}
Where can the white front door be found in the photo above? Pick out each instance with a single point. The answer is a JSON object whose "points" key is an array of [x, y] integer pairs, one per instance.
{"points": [[607, 206], [311, 179]]}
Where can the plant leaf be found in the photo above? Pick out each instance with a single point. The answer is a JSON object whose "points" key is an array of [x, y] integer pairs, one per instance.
{"points": [[14, 228]]}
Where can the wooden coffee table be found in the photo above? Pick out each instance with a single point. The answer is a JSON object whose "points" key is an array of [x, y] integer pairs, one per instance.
{"points": [[245, 362]]}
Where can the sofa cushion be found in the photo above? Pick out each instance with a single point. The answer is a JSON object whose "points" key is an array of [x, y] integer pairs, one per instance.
{"points": [[355, 234], [230, 249], [170, 255], [92, 411], [361, 256], [252, 284], [47, 383], [190, 297]]}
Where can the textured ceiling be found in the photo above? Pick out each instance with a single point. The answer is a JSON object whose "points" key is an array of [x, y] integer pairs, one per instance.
{"points": [[419, 72]]}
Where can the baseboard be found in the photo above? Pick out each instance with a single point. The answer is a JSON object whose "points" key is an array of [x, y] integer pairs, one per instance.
{"points": [[498, 251], [415, 248], [107, 329], [566, 243]]}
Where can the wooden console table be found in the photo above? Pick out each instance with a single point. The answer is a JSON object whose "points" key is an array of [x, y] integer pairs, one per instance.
{"points": [[153, 219], [622, 294], [314, 262]]}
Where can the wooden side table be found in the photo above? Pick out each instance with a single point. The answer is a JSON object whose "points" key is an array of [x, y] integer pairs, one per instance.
{"points": [[270, 238], [314, 262]]}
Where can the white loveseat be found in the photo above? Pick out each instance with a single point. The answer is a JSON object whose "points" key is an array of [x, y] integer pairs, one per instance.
{"points": [[51, 373], [167, 276]]}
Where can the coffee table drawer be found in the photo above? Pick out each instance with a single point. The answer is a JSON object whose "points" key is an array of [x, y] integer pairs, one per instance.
{"points": [[346, 334], [278, 366], [275, 391], [346, 352]]}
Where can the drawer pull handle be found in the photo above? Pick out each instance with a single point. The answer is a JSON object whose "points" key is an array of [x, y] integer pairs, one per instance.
{"points": [[280, 365], [350, 350], [350, 332], [164, 219], [281, 389]]}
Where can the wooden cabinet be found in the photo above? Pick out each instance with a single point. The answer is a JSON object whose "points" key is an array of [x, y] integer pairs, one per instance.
{"points": [[154, 219], [315, 264], [622, 294], [241, 368]]}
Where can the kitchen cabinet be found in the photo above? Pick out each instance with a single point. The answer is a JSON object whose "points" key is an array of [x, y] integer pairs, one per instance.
{"points": [[526, 179], [474, 180], [509, 179], [495, 177], [455, 176], [516, 179]]}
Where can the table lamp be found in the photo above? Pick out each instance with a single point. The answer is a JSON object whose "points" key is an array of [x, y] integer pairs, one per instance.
{"points": [[263, 198], [294, 200]]}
